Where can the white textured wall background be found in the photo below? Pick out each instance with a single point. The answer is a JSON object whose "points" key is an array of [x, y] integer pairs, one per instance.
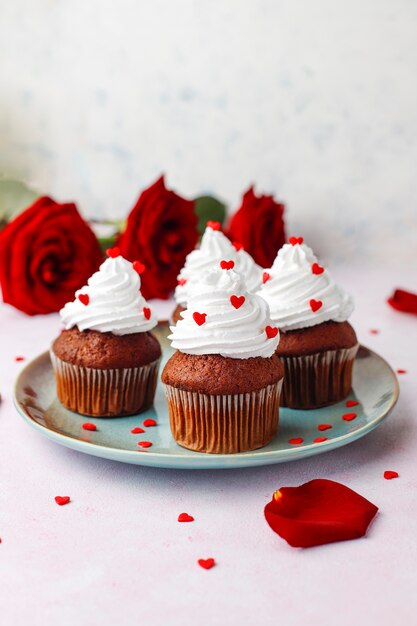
{"points": [[315, 101]]}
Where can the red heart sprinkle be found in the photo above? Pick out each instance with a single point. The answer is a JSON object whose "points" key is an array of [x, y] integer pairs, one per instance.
{"points": [[84, 298], [294, 240], [199, 318], [237, 301], [324, 426], [315, 305], [374, 331], [227, 265], [61, 500], [401, 371], [182, 281], [147, 312], [184, 517], [350, 403], [144, 444], [113, 252], [137, 430], [89, 426], [317, 269], [390, 474], [271, 332], [348, 417], [138, 267], [238, 246], [19, 358], [295, 441], [213, 225], [149, 422], [319, 439], [265, 277], [206, 563]]}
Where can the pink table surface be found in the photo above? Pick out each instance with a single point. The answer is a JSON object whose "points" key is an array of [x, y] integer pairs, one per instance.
{"points": [[117, 555]]}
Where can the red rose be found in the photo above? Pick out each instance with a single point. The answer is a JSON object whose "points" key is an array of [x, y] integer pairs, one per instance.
{"points": [[46, 254], [161, 230], [259, 226]]}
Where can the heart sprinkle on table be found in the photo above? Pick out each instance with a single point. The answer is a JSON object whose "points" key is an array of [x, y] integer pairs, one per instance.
{"points": [[401, 371], [61, 500], [295, 441], [390, 474], [184, 517], [19, 358], [324, 426], [89, 426], [348, 417], [144, 444], [137, 430], [374, 331], [350, 403], [149, 422], [206, 563], [319, 439]]}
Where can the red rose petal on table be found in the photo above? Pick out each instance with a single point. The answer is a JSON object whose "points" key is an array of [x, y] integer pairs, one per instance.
{"points": [[324, 426], [184, 517], [265, 277], [318, 512], [271, 332], [317, 269], [296, 240], [348, 417], [181, 282], [147, 312], [112, 253], [390, 474], [199, 318], [137, 430], [19, 358], [319, 439], [227, 265], [295, 441], [351, 403], [89, 426], [61, 500], [404, 301], [401, 371], [315, 305], [139, 267], [206, 563], [237, 301], [149, 422], [144, 444], [213, 225], [238, 246], [84, 298]]}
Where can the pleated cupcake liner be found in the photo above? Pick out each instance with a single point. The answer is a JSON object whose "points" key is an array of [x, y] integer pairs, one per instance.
{"points": [[105, 392], [317, 380], [224, 424]]}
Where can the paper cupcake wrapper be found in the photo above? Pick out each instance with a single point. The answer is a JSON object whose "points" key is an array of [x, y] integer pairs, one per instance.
{"points": [[224, 424], [105, 392], [316, 380]]}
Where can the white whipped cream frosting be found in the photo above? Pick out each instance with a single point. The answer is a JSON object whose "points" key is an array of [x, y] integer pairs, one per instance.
{"points": [[215, 247], [292, 285], [115, 304], [238, 333]]}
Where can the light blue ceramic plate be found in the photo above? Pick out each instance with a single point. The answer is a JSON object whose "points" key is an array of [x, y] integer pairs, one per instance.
{"points": [[375, 387]]}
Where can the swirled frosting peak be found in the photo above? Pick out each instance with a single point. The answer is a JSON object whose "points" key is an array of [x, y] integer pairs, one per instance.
{"points": [[110, 302], [300, 292], [223, 318], [214, 247]]}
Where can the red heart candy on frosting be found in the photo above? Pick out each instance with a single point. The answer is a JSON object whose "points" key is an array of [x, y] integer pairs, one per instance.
{"points": [[199, 318], [294, 240], [138, 267], [182, 281], [317, 269], [265, 277], [184, 517], [238, 246], [227, 265], [113, 252], [315, 305], [147, 312], [61, 500], [84, 298], [213, 225], [237, 301], [206, 563], [271, 332]]}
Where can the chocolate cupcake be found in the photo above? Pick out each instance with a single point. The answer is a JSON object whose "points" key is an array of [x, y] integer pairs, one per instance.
{"points": [[318, 345], [106, 361], [214, 247], [223, 384]]}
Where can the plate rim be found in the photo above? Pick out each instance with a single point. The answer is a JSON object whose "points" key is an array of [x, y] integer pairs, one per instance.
{"points": [[265, 457]]}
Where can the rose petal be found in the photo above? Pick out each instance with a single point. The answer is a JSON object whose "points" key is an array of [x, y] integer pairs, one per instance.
{"points": [[318, 512]]}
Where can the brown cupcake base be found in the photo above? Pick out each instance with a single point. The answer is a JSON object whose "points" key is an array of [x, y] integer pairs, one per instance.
{"points": [[224, 424], [316, 380], [105, 392]]}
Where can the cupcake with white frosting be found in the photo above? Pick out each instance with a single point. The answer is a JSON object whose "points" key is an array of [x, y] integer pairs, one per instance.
{"points": [[214, 247], [318, 345], [106, 360], [223, 383]]}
